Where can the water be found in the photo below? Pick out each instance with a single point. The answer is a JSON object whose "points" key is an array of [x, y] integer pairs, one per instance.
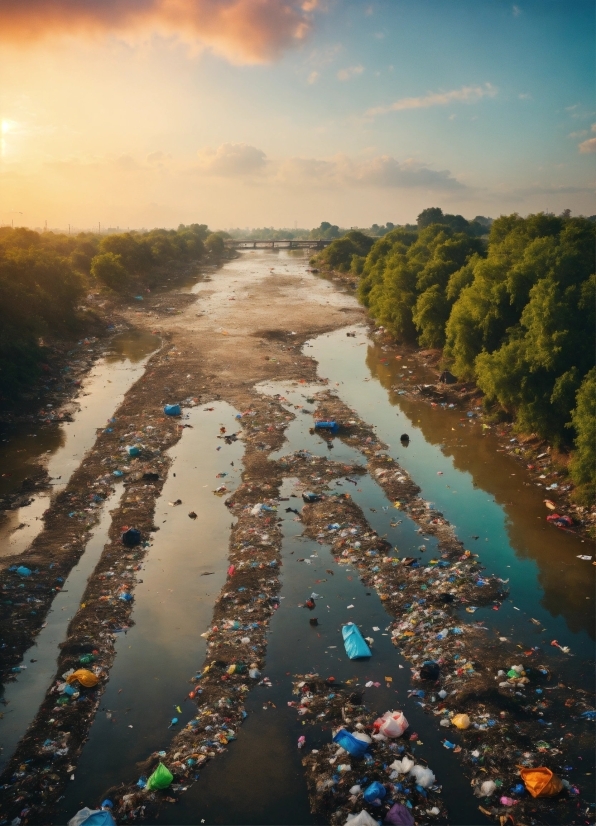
{"points": [[481, 491], [259, 780], [25, 694], [62, 446], [173, 605]]}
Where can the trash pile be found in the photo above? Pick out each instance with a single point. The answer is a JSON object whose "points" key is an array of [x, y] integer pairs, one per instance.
{"points": [[473, 683], [367, 773]]}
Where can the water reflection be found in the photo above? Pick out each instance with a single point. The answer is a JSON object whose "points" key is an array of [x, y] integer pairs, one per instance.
{"points": [[567, 582], [62, 446]]}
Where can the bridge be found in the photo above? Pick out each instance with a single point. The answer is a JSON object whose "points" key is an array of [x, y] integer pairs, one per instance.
{"points": [[285, 243]]}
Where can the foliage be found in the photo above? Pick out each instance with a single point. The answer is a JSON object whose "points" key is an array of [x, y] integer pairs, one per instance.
{"points": [[583, 420], [44, 275], [340, 253], [517, 316]]}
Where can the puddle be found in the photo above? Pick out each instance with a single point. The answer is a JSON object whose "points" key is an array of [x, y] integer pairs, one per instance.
{"points": [[63, 445], [480, 491], [173, 606], [260, 780], [24, 696]]}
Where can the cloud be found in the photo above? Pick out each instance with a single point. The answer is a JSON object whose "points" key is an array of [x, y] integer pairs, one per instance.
{"points": [[382, 171], [232, 160], [589, 146], [516, 11], [313, 77], [158, 157], [351, 71], [525, 96], [245, 31], [467, 94]]}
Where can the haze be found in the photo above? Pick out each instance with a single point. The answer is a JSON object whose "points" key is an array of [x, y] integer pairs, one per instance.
{"points": [[279, 112]]}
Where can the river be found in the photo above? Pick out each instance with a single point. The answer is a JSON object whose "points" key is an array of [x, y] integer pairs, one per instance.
{"points": [[482, 490]]}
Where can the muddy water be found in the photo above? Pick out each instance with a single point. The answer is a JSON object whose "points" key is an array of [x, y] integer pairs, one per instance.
{"points": [[483, 492], [62, 446], [183, 573], [24, 696]]}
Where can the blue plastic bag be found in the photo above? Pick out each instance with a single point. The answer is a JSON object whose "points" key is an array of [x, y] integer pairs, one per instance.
{"points": [[351, 744], [375, 792], [23, 571], [354, 642], [172, 410]]}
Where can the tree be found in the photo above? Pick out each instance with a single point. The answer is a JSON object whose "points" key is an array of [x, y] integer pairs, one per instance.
{"points": [[214, 243], [583, 420], [107, 268], [431, 215]]}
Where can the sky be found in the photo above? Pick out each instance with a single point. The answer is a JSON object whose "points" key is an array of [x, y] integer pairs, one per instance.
{"points": [[251, 113]]}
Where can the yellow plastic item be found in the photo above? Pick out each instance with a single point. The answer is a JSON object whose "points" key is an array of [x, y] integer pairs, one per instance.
{"points": [[84, 677], [541, 782], [461, 721]]}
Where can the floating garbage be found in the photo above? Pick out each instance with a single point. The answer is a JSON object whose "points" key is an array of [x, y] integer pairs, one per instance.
{"points": [[161, 778], [92, 817], [333, 427], [172, 410], [354, 642]]}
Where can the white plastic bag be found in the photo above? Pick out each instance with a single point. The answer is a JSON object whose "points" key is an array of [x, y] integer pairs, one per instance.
{"points": [[394, 724], [361, 819], [424, 776]]}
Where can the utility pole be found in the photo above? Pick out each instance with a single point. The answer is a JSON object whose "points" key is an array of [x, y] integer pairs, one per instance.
{"points": [[99, 227]]}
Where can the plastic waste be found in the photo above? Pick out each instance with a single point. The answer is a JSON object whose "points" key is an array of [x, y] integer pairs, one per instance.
{"points": [[424, 776], [133, 450], [392, 724], [161, 778], [84, 677], [332, 426], [354, 642], [23, 571], [92, 817], [461, 721], [131, 537], [430, 670], [487, 788], [353, 745], [402, 766], [172, 410], [361, 819], [541, 782], [399, 815], [374, 793]]}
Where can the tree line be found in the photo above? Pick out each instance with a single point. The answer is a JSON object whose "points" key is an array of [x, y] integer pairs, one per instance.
{"points": [[43, 277], [512, 308]]}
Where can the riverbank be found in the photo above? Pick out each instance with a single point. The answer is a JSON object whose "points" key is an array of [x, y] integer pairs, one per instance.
{"points": [[547, 466], [249, 330]]}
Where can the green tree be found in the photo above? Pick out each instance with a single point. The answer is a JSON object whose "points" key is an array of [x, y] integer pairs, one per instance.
{"points": [[214, 243], [583, 420], [108, 269]]}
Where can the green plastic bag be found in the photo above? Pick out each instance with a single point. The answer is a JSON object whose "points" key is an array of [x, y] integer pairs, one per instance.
{"points": [[161, 778]]}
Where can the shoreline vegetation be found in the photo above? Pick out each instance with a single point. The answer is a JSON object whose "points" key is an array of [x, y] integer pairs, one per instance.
{"points": [[57, 288], [511, 313]]}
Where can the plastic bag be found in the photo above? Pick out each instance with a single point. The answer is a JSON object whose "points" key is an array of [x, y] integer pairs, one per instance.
{"points": [[430, 670], [172, 410], [353, 745], [402, 766], [461, 721], [161, 778], [84, 677], [487, 788], [394, 724], [541, 782], [92, 817], [361, 819], [375, 793], [354, 642], [131, 537], [399, 815], [424, 776]]}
